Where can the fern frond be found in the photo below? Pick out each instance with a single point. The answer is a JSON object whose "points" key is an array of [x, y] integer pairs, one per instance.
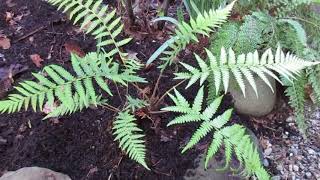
{"points": [[233, 137], [130, 137], [296, 93], [96, 20], [73, 91], [244, 66], [185, 33], [192, 113], [134, 104]]}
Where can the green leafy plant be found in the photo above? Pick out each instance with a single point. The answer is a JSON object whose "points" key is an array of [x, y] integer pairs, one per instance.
{"points": [[185, 33], [130, 138], [96, 19], [244, 65], [223, 134]]}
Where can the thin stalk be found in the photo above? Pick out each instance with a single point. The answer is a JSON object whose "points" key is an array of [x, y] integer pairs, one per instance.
{"points": [[129, 9]]}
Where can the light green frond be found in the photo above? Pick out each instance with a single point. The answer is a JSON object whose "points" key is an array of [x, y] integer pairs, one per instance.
{"points": [[245, 66], [73, 92], [233, 137], [130, 139], [186, 33], [97, 20]]}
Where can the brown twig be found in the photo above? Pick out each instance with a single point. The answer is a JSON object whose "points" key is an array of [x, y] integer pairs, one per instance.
{"points": [[130, 13], [111, 108], [168, 91], [156, 86], [30, 34]]}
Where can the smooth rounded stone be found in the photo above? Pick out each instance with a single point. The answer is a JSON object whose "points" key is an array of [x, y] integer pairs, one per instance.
{"points": [[276, 178], [200, 173], [308, 175], [265, 162], [267, 151], [251, 104], [34, 173]]}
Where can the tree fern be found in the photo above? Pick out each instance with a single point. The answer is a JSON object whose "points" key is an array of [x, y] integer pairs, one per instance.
{"points": [[233, 137], [187, 32], [243, 66], [130, 137], [73, 91], [97, 20]]}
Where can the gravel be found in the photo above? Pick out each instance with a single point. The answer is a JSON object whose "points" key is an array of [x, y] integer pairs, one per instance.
{"points": [[292, 156]]}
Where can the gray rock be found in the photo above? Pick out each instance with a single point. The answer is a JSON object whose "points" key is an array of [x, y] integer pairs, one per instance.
{"points": [[3, 141], [276, 178], [251, 104], [267, 151], [265, 162], [280, 168], [308, 175], [200, 173], [34, 173], [295, 168]]}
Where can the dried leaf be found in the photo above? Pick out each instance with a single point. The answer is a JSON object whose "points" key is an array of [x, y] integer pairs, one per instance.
{"points": [[47, 109], [36, 59], [74, 48], [9, 16], [5, 43]]}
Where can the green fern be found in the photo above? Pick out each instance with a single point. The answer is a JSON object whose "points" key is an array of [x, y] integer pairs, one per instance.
{"points": [[187, 32], [73, 91], [295, 92], [130, 137], [233, 137], [243, 66], [102, 24]]}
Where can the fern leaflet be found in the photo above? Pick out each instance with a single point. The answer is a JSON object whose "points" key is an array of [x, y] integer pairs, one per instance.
{"points": [[129, 137]]}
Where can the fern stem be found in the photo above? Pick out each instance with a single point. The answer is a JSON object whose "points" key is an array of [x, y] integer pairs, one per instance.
{"points": [[111, 108], [168, 91]]}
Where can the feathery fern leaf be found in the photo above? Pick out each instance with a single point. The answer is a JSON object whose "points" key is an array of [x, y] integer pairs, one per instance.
{"points": [[73, 91], [96, 20], [234, 138], [296, 93], [187, 32], [244, 66], [130, 137]]}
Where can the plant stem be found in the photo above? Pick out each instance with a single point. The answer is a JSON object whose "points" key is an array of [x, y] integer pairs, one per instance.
{"points": [[167, 92], [129, 10], [111, 108], [164, 9]]}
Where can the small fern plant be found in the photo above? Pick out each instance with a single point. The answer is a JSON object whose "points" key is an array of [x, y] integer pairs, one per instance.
{"points": [[186, 33], [96, 20], [232, 137], [64, 93]]}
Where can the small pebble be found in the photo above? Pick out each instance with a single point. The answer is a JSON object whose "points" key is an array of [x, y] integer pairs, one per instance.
{"points": [[280, 168], [276, 178], [295, 168], [268, 151], [265, 162], [308, 174]]}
